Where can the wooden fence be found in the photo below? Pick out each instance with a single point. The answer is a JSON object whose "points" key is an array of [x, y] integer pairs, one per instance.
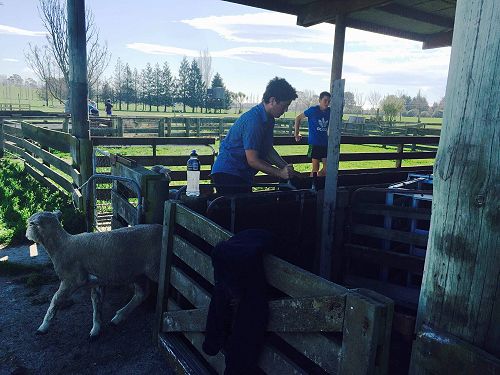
{"points": [[15, 107], [347, 331], [38, 148]]}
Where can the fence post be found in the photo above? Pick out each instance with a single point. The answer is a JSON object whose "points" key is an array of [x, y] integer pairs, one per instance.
{"points": [[221, 127], [400, 155], [1, 138], [187, 124], [198, 126], [65, 124], [161, 127], [290, 128], [169, 126], [119, 127]]}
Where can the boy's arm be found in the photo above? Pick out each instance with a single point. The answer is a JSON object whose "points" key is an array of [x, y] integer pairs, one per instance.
{"points": [[298, 120]]}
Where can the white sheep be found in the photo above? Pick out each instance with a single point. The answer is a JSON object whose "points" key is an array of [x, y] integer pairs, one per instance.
{"points": [[118, 257]]}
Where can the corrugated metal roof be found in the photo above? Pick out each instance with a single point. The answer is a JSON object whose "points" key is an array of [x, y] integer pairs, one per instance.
{"points": [[428, 21]]}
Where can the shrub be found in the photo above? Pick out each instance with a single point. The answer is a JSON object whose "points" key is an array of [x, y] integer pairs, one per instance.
{"points": [[21, 196]]}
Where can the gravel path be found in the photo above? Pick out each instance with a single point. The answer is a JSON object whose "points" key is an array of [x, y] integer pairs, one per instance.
{"points": [[25, 293]]}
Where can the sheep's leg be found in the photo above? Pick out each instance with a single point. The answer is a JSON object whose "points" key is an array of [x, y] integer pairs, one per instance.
{"points": [[96, 294], [141, 292], [64, 291]]}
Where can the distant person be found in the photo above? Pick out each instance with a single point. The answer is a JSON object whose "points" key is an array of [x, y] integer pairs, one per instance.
{"points": [[317, 118], [108, 106], [248, 146]]}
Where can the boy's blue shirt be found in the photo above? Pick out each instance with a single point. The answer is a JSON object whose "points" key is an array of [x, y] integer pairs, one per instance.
{"points": [[251, 131], [318, 125]]}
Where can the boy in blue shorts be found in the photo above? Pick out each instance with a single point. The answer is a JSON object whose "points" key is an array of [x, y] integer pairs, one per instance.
{"points": [[318, 118]]}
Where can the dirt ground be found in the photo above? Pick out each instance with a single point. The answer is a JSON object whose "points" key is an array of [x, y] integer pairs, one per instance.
{"points": [[26, 287]]}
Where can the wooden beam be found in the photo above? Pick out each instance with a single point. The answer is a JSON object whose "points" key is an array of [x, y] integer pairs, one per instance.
{"points": [[332, 167], [438, 40], [460, 295], [281, 6], [417, 15], [327, 10], [338, 50]]}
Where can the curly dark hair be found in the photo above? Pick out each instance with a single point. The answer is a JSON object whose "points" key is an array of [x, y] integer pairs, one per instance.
{"points": [[280, 89]]}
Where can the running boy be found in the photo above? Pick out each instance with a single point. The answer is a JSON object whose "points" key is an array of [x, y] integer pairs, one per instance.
{"points": [[318, 118]]}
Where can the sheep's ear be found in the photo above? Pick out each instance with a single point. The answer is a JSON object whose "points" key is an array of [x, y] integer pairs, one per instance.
{"points": [[58, 214]]}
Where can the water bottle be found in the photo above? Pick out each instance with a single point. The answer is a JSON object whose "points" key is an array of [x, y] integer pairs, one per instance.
{"points": [[193, 175]]}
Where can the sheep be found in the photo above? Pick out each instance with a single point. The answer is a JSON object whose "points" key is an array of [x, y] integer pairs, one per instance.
{"points": [[118, 257]]}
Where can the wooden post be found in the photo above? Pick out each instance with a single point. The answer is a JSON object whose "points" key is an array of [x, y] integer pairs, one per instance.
{"points": [[161, 127], [1, 138], [332, 167], [169, 126], [198, 126], [119, 127], [79, 87], [400, 155], [65, 124], [187, 125], [221, 128], [338, 48], [460, 293]]}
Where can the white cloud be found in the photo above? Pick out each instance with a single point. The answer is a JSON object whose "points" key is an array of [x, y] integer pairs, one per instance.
{"points": [[156, 49], [10, 30], [10, 59]]}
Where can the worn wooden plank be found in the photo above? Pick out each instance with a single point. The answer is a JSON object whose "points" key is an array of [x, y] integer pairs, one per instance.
{"points": [[360, 338], [196, 338], [404, 296], [387, 258], [438, 352], [194, 258], [57, 178], [49, 138], [297, 282], [171, 160], [41, 178], [12, 130], [390, 234], [316, 314], [122, 207], [179, 356], [200, 226], [394, 211], [166, 258]]}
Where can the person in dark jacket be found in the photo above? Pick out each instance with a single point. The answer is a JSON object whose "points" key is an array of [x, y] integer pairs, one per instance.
{"points": [[108, 106]]}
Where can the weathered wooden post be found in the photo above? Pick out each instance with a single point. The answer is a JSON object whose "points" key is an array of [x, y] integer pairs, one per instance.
{"points": [[169, 126], [161, 127], [327, 252], [81, 147], [458, 320]]}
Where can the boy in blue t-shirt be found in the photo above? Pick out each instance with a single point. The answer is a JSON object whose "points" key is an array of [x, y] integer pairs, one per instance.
{"points": [[318, 118]]}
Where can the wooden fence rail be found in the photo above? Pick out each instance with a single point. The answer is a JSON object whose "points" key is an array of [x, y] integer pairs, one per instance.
{"points": [[358, 322]]}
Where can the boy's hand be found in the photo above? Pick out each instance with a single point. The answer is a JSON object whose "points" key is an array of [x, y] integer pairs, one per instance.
{"points": [[298, 137]]}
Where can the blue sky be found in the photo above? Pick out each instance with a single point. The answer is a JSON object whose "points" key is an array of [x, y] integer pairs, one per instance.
{"points": [[249, 46]]}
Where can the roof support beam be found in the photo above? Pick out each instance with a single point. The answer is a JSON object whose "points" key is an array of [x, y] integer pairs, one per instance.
{"points": [[417, 15], [438, 40], [275, 5], [326, 10]]}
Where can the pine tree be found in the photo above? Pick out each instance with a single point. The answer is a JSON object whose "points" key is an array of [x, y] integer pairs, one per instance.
{"points": [[183, 83], [195, 86], [167, 82]]}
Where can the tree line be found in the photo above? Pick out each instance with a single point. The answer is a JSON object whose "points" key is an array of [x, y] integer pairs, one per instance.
{"points": [[156, 86]]}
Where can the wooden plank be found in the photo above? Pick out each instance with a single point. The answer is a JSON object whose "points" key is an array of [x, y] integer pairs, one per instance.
{"points": [[53, 160], [361, 332], [407, 297], [166, 258], [57, 178], [194, 258], [201, 226], [170, 160], [41, 178], [122, 207], [387, 258], [440, 352], [362, 140], [197, 338], [145, 141], [302, 284], [316, 314], [179, 356], [393, 211], [390, 234], [49, 138], [182, 175], [13, 130]]}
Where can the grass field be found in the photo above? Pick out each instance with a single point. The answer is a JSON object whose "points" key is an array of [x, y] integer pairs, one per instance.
{"points": [[23, 95]]}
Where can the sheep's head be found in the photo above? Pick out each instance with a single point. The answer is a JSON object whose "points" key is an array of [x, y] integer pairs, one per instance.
{"points": [[41, 224]]}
